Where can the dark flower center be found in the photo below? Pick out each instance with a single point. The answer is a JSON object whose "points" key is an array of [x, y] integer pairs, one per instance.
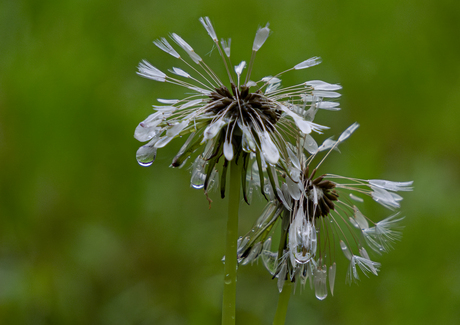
{"points": [[326, 195], [241, 104]]}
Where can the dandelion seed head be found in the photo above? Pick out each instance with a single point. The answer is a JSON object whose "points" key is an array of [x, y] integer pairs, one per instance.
{"points": [[317, 218], [251, 120]]}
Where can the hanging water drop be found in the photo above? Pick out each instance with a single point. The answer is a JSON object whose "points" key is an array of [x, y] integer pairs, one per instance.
{"points": [[320, 282], [197, 180], [146, 154], [270, 260], [198, 175], [282, 276]]}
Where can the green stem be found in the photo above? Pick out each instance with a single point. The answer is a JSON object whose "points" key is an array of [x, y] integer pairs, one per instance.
{"points": [[229, 298], [283, 301]]}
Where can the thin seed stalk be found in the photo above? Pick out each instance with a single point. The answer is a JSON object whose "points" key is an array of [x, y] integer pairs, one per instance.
{"points": [[283, 302], [229, 297]]}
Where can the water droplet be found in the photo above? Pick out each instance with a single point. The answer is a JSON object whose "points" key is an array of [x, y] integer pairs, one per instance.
{"points": [[198, 177], [145, 155], [145, 164], [270, 260], [198, 182], [228, 279], [320, 275], [282, 276]]}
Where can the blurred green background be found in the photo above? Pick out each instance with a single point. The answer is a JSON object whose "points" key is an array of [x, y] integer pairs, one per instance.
{"points": [[89, 237]]}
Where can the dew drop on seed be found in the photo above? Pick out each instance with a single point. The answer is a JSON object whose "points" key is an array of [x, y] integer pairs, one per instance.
{"points": [[145, 164], [146, 155], [198, 180], [198, 185]]}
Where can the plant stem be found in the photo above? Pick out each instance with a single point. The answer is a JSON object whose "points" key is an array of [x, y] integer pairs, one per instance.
{"points": [[283, 301], [229, 298]]}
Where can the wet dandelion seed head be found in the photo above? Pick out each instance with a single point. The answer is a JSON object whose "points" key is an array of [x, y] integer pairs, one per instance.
{"points": [[317, 217], [250, 121]]}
